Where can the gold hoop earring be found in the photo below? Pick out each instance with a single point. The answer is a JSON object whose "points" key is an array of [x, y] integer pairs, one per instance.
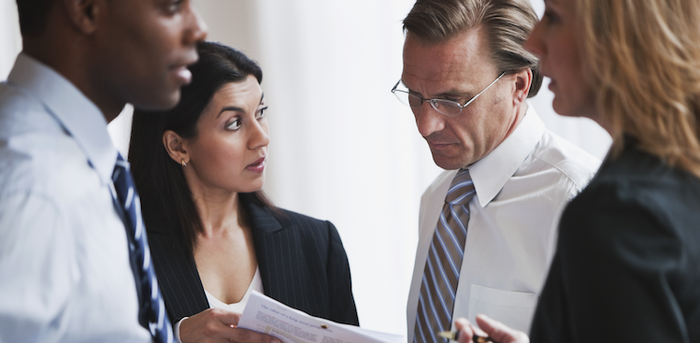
{"points": [[183, 163]]}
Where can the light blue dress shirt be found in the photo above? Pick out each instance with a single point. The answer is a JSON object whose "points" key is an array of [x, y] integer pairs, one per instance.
{"points": [[64, 262]]}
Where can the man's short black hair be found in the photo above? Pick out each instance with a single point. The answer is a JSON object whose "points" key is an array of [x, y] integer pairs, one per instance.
{"points": [[33, 15]]}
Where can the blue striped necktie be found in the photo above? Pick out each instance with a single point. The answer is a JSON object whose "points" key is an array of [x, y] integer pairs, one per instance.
{"points": [[444, 261], [152, 315]]}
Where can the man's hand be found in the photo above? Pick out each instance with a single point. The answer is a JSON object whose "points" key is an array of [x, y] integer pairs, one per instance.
{"points": [[492, 328], [216, 325]]}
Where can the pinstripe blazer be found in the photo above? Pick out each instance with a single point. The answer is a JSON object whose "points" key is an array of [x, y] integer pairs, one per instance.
{"points": [[301, 259]]}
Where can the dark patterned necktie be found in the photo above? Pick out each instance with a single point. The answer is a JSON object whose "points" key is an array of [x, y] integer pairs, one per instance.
{"points": [[444, 262], [152, 315]]}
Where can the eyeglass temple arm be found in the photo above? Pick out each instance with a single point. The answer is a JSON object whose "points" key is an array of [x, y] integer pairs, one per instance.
{"points": [[482, 92]]}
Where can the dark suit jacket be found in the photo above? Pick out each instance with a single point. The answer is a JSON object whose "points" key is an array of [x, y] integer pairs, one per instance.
{"points": [[301, 259], [627, 266]]}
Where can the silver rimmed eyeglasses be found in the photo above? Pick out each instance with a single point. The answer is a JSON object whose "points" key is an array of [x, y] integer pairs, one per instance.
{"points": [[444, 106]]}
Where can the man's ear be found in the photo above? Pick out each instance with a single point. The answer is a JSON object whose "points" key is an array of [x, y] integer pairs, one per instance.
{"points": [[523, 81], [176, 147], [84, 14]]}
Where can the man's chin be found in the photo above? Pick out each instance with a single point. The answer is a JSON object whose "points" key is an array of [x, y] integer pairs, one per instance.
{"points": [[448, 163]]}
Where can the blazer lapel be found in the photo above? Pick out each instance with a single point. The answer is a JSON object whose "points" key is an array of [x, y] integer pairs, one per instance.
{"points": [[262, 220], [178, 277], [266, 227]]}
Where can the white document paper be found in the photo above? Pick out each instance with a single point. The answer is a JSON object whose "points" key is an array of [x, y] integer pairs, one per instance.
{"points": [[266, 315]]}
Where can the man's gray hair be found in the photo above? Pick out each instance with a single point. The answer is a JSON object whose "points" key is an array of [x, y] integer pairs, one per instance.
{"points": [[506, 24]]}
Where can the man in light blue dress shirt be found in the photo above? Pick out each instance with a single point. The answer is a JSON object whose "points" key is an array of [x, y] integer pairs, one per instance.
{"points": [[65, 274]]}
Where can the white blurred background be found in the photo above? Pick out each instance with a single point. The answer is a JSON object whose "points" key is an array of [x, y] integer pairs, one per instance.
{"points": [[342, 147]]}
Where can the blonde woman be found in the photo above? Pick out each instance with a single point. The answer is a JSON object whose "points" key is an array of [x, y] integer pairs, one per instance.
{"points": [[627, 267]]}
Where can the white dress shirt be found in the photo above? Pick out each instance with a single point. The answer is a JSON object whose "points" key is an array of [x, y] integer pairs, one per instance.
{"points": [[522, 186], [65, 274], [255, 285]]}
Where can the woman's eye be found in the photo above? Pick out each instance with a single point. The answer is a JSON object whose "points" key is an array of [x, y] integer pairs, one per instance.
{"points": [[234, 125], [261, 113], [173, 6], [550, 16]]}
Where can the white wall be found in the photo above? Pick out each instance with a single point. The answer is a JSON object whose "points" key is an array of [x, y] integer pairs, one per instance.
{"points": [[10, 40], [342, 147]]}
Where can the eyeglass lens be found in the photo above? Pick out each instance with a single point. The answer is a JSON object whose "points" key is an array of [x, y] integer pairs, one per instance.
{"points": [[440, 105]]}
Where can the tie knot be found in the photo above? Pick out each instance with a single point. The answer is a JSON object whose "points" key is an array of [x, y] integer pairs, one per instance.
{"points": [[120, 166], [461, 189]]}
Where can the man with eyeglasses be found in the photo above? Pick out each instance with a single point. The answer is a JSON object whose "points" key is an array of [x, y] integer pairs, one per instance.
{"points": [[488, 223]]}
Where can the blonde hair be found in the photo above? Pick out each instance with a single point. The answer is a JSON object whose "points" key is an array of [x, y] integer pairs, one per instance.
{"points": [[643, 59], [507, 24]]}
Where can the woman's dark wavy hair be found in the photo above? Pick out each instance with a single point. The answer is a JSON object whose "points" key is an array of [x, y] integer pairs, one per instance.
{"points": [[166, 199]]}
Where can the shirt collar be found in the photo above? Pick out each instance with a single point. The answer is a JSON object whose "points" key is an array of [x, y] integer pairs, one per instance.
{"points": [[492, 172], [74, 112]]}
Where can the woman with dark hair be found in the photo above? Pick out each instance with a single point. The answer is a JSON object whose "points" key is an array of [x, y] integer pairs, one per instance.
{"points": [[214, 236]]}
